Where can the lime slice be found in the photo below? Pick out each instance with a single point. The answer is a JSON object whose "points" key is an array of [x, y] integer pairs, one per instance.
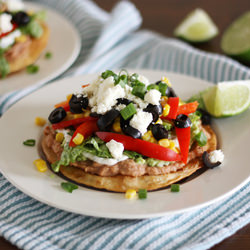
{"points": [[196, 27], [227, 98], [236, 39]]}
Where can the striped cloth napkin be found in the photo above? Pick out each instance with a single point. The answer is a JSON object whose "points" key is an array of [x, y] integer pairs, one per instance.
{"points": [[110, 40]]}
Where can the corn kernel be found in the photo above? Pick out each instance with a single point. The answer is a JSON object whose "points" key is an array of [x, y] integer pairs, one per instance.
{"points": [[166, 110], [147, 135], [130, 194], [86, 113], [59, 137], [40, 165], [164, 143], [116, 126], [30, 12], [165, 79], [21, 39], [176, 150], [78, 116], [159, 121], [164, 100], [39, 121], [69, 97], [78, 139], [171, 145]]}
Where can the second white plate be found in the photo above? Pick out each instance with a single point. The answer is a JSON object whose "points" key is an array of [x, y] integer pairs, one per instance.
{"points": [[64, 44]]}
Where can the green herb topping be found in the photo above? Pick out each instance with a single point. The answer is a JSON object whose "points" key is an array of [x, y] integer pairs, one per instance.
{"points": [[201, 139], [30, 142], [142, 194], [32, 69], [128, 111], [68, 186], [48, 55], [175, 188]]}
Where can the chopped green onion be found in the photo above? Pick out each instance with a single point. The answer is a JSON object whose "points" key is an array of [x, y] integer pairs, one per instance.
{"points": [[68, 186], [175, 188], [142, 193], [48, 55], [162, 88], [122, 80], [109, 73], [201, 139], [32, 69], [152, 86], [128, 111], [134, 77], [139, 90], [30, 143]]}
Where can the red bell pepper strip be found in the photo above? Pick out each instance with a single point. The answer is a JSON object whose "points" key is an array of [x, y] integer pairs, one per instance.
{"points": [[183, 136], [173, 102], [14, 26], [86, 129], [85, 85], [64, 105], [143, 147], [187, 108], [73, 122]]}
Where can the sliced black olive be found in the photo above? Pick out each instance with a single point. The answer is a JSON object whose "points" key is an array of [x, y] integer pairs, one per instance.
{"points": [[159, 132], [123, 101], [94, 114], [205, 117], [57, 115], [207, 162], [128, 130], [77, 103], [106, 120], [135, 133], [155, 110], [170, 92], [182, 121], [21, 18]]}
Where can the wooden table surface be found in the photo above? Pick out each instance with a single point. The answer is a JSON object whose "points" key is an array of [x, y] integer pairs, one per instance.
{"points": [[163, 16]]}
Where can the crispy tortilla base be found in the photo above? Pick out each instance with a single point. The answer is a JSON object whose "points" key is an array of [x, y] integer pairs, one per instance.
{"points": [[30, 53], [122, 183]]}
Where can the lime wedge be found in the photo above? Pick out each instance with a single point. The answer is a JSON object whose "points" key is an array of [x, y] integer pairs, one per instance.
{"points": [[227, 98], [236, 39], [196, 27]]}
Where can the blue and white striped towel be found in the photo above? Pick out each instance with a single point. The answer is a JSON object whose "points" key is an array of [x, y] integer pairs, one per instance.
{"points": [[112, 39]]}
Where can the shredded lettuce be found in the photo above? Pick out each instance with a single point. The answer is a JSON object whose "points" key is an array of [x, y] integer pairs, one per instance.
{"points": [[156, 163], [138, 158]]}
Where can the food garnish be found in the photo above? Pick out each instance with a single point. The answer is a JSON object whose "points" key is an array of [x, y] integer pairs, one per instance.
{"points": [[68, 186], [40, 165], [30, 142], [175, 188], [32, 69]]}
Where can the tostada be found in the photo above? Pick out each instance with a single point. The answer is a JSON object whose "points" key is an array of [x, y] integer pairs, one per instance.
{"points": [[23, 36], [122, 132]]}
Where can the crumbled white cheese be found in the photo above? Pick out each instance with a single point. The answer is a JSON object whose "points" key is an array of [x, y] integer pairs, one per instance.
{"points": [[115, 148], [119, 107], [141, 121], [216, 155], [9, 39], [14, 5], [104, 95], [143, 79], [105, 161], [5, 23], [153, 96], [139, 103]]}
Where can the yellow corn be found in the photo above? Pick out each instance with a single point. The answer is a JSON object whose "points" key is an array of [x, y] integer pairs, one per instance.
{"points": [[78, 139], [21, 39], [39, 121], [130, 194], [30, 12], [171, 145], [116, 126], [164, 143], [86, 113], [40, 165], [166, 110], [59, 137], [165, 79], [164, 100], [69, 97], [159, 121], [78, 116], [148, 136]]}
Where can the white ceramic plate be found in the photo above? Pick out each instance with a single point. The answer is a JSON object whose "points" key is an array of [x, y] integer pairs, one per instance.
{"points": [[64, 44], [17, 125]]}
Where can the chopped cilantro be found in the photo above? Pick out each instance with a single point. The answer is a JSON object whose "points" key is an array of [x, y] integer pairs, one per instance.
{"points": [[32, 69], [68, 186]]}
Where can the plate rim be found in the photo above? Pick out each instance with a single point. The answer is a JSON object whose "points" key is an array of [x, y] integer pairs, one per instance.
{"points": [[128, 216]]}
